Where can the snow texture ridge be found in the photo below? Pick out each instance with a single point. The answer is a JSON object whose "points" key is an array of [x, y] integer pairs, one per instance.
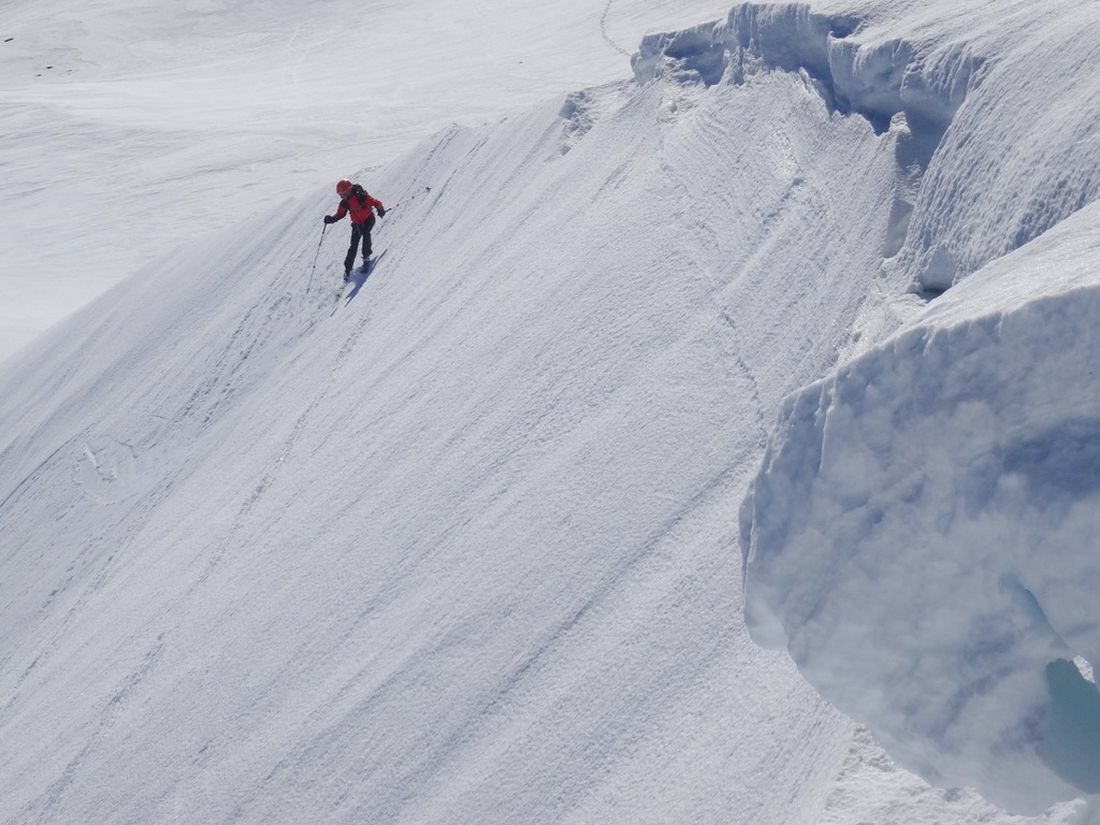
{"points": [[921, 536], [999, 105], [877, 80]]}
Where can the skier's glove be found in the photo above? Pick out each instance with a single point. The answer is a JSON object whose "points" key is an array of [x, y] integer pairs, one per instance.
{"points": [[330, 219], [381, 212]]}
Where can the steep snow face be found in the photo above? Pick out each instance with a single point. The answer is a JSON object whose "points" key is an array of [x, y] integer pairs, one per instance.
{"points": [[1021, 153], [134, 126], [454, 547], [920, 455], [921, 537], [999, 99]]}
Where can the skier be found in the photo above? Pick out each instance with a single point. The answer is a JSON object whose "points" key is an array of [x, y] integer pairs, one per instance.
{"points": [[355, 199]]}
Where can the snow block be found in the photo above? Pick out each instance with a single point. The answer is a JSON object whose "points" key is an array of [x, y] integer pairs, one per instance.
{"points": [[921, 536]]}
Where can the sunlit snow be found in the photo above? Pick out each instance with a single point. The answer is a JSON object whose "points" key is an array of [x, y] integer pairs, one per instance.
{"points": [[459, 542]]}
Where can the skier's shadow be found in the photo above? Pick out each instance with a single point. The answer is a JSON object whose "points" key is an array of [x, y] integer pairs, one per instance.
{"points": [[361, 276]]}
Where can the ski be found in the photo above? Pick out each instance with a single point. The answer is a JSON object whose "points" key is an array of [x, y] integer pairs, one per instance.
{"points": [[356, 279]]}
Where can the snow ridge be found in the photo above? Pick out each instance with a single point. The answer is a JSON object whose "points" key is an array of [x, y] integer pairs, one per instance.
{"points": [[961, 98], [878, 81], [882, 81]]}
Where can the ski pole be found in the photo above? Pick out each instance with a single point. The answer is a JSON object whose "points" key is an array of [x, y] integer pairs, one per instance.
{"points": [[409, 200], [316, 255]]}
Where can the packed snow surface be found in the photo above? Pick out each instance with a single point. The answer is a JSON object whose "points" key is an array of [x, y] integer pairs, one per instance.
{"points": [[458, 543]]}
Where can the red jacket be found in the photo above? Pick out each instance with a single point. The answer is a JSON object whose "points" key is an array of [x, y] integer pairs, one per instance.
{"points": [[359, 203]]}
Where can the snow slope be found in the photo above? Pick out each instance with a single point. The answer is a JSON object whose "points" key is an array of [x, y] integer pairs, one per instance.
{"points": [[134, 126], [458, 547], [465, 561]]}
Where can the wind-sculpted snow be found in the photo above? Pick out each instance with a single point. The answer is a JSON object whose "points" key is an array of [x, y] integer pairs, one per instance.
{"points": [[922, 535], [1021, 153], [877, 80], [456, 548], [999, 99]]}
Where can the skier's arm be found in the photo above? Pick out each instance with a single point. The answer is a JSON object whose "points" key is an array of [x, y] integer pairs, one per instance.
{"points": [[377, 204], [339, 216]]}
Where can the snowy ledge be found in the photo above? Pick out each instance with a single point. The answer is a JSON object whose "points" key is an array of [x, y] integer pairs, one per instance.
{"points": [[1002, 116], [876, 81], [922, 535]]}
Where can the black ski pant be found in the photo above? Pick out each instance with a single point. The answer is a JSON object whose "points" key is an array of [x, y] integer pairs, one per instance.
{"points": [[359, 231]]}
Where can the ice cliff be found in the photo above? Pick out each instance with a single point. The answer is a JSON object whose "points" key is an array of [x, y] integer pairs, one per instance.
{"points": [[921, 534]]}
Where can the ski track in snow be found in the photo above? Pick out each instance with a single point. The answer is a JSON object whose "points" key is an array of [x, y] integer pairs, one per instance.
{"points": [[734, 346], [606, 36]]}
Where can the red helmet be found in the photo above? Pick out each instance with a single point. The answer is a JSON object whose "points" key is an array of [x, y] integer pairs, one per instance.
{"points": [[343, 187]]}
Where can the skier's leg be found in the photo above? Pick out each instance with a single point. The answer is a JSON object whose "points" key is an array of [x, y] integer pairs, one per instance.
{"points": [[367, 248], [356, 233]]}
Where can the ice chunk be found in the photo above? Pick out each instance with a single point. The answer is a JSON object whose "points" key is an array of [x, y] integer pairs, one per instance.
{"points": [[922, 534]]}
